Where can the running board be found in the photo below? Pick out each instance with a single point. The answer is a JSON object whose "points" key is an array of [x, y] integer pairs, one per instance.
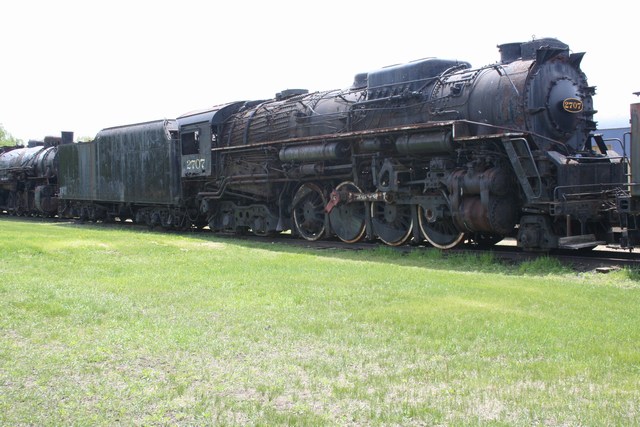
{"points": [[579, 242]]}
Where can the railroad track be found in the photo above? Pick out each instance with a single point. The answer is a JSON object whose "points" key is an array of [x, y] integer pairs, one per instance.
{"points": [[602, 259]]}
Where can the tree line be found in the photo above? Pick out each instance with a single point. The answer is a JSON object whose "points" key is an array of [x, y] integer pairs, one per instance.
{"points": [[6, 139]]}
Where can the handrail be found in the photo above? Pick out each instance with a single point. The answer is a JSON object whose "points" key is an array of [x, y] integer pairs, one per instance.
{"points": [[537, 175]]}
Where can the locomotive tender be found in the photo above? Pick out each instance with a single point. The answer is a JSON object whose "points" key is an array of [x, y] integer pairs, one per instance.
{"points": [[432, 149]]}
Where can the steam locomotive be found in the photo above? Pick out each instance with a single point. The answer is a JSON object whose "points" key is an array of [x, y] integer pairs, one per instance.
{"points": [[430, 150], [28, 178]]}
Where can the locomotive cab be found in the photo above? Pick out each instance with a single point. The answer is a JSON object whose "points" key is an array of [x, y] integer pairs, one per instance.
{"points": [[198, 135], [195, 145]]}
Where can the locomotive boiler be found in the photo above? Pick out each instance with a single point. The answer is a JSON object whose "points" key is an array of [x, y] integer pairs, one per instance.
{"points": [[430, 150]]}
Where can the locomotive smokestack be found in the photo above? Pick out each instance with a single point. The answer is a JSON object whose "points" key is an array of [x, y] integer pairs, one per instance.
{"points": [[509, 52]]}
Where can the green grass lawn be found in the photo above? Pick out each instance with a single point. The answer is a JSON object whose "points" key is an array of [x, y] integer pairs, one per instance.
{"points": [[104, 326]]}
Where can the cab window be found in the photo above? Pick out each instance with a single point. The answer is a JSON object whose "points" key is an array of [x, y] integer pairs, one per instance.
{"points": [[190, 143]]}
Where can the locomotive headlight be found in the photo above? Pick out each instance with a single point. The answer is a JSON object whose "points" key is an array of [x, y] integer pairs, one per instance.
{"points": [[564, 105]]}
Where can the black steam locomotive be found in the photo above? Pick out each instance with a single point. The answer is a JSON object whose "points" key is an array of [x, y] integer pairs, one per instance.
{"points": [[432, 149], [28, 178]]}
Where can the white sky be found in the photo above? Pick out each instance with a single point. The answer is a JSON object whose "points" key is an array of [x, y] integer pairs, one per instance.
{"points": [[86, 65]]}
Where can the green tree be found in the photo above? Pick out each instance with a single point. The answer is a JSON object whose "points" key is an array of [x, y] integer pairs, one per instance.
{"points": [[6, 139]]}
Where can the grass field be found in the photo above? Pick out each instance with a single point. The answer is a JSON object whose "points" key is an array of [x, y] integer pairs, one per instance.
{"points": [[104, 326]]}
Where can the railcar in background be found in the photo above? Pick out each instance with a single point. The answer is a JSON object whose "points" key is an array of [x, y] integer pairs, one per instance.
{"points": [[28, 177]]}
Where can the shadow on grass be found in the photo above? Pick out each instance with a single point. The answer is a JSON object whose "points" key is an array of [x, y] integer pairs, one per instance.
{"points": [[482, 261], [418, 256]]}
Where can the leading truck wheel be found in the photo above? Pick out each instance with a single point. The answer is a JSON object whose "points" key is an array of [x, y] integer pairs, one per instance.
{"points": [[309, 217]]}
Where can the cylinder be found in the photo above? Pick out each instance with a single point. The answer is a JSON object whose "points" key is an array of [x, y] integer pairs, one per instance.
{"points": [[45, 199], [429, 143], [498, 216], [316, 152], [496, 180], [373, 145]]}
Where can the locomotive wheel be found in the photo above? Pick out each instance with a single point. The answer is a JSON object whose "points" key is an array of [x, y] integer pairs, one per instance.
{"points": [[442, 233], [392, 223], [308, 212], [347, 219]]}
